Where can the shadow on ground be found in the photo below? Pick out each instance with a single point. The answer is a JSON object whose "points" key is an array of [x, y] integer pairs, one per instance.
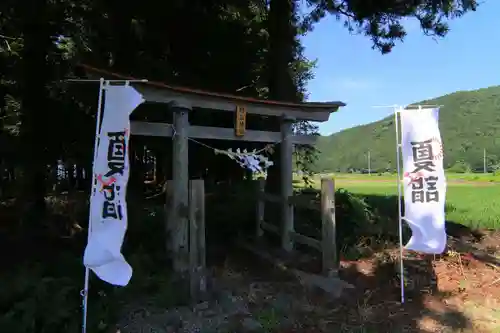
{"points": [[378, 295], [373, 305]]}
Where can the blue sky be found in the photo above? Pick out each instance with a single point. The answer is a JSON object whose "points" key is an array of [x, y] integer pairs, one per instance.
{"points": [[419, 68]]}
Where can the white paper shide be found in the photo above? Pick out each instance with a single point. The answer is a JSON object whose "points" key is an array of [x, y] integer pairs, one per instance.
{"points": [[424, 180], [108, 206]]}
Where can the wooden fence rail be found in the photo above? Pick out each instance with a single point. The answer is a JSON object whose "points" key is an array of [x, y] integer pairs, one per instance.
{"points": [[327, 245], [190, 223]]}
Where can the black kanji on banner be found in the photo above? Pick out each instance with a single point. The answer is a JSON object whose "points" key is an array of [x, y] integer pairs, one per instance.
{"points": [[424, 190], [431, 193], [423, 156], [116, 153], [112, 206]]}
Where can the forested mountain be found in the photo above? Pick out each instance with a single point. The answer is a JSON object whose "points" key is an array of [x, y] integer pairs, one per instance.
{"points": [[469, 122]]}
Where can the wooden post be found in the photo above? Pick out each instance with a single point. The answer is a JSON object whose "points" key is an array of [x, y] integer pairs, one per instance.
{"points": [[169, 216], [180, 198], [202, 253], [286, 183], [328, 241], [197, 259], [259, 214]]}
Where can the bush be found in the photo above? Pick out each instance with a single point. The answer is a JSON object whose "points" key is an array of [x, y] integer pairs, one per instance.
{"points": [[460, 167], [40, 285], [359, 219]]}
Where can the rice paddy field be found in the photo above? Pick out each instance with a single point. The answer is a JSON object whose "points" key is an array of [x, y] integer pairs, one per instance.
{"points": [[472, 199]]}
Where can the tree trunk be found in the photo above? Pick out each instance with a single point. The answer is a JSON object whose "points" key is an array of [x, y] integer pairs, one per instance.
{"points": [[34, 100], [281, 87]]}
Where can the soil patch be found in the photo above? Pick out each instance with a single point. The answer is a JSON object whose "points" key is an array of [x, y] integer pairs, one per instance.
{"points": [[451, 293]]}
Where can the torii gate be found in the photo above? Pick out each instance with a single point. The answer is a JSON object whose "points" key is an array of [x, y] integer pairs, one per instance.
{"points": [[180, 102]]}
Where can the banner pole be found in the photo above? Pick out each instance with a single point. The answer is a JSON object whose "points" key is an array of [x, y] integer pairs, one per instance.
{"points": [[85, 290], [400, 218]]}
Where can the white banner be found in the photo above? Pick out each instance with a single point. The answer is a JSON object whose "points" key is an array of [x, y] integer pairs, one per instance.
{"points": [[424, 180], [108, 206]]}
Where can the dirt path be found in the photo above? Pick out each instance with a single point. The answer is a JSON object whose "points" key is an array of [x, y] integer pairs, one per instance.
{"points": [[453, 293]]}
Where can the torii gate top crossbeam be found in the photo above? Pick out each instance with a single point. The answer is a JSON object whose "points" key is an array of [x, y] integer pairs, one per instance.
{"points": [[157, 92]]}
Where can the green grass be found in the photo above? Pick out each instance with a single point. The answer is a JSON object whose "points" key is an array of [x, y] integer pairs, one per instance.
{"points": [[468, 202], [469, 205], [452, 177]]}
